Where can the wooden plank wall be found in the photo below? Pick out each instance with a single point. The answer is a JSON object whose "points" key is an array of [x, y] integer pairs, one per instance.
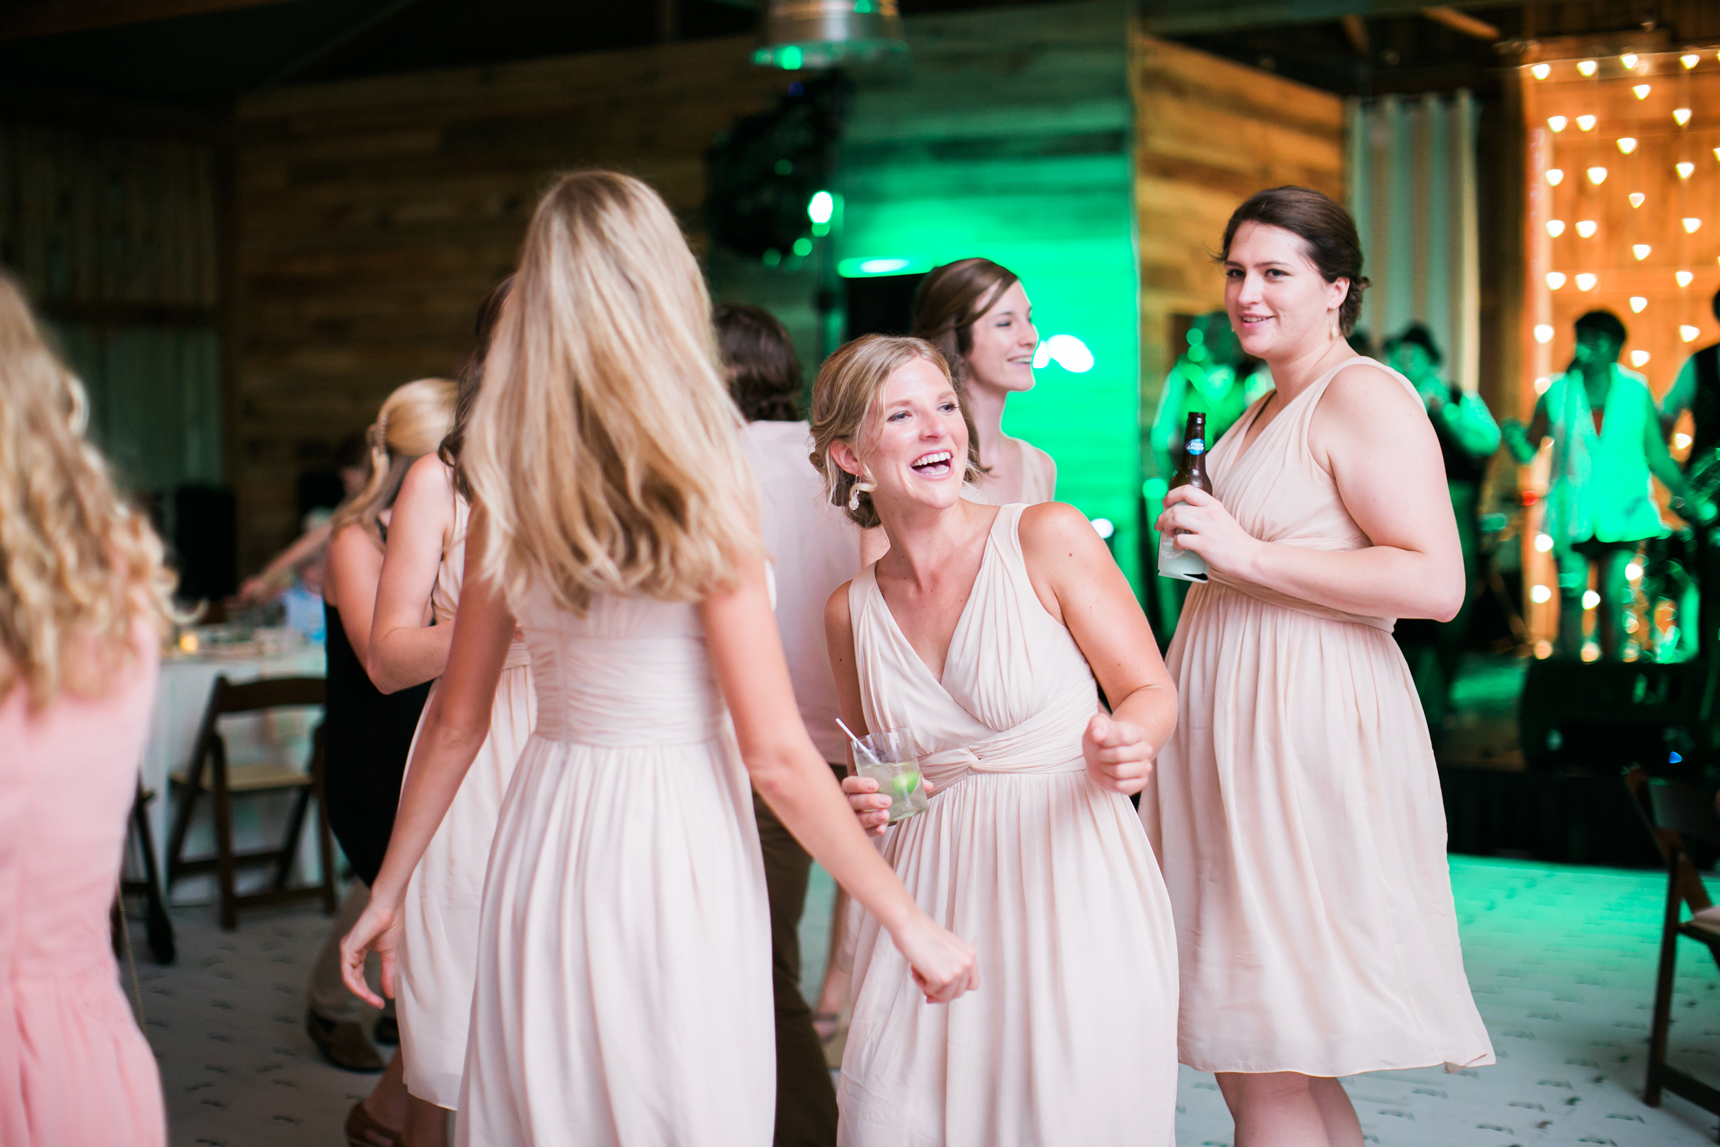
{"points": [[1208, 134], [374, 214], [113, 235]]}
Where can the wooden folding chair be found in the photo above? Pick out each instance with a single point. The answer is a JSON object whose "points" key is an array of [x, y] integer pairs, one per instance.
{"points": [[1677, 812], [210, 772]]}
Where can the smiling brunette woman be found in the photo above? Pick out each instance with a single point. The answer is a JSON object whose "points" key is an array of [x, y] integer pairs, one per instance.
{"points": [[1297, 810], [979, 635]]}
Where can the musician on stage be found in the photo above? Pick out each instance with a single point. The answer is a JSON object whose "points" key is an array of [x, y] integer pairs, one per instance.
{"points": [[1600, 506], [1697, 389]]}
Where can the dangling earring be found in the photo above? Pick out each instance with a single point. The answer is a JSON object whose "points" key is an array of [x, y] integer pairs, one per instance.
{"points": [[1336, 335], [861, 486]]}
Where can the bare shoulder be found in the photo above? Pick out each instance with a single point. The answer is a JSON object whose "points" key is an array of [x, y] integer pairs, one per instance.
{"points": [[1053, 530], [1366, 397], [837, 615], [429, 477]]}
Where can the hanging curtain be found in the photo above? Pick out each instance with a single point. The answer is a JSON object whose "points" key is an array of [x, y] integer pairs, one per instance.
{"points": [[1412, 192]]}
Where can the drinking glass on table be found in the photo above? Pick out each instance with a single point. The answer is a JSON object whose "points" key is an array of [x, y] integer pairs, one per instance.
{"points": [[888, 758]]}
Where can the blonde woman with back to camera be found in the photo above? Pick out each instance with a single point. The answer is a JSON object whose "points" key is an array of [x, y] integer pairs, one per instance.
{"points": [[623, 987], [1297, 810], [83, 600], [979, 635]]}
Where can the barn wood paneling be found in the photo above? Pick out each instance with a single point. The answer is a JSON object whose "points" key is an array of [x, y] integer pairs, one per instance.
{"points": [[374, 214], [1208, 134]]}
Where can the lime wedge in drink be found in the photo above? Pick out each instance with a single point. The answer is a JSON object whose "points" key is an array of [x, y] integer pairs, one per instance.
{"points": [[902, 785]]}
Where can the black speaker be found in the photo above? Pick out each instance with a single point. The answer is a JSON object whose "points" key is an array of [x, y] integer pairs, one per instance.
{"points": [[1610, 715], [206, 541]]}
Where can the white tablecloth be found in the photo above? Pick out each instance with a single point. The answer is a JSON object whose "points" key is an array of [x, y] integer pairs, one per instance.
{"points": [[283, 735]]}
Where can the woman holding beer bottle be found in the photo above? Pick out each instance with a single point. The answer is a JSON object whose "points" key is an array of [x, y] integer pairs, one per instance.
{"points": [[1296, 810]]}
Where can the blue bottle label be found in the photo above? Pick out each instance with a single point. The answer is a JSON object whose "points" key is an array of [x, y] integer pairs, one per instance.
{"points": [[1195, 446]]}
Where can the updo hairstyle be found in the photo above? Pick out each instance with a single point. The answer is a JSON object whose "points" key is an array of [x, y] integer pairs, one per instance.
{"points": [[1327, 232], [846, 407]]}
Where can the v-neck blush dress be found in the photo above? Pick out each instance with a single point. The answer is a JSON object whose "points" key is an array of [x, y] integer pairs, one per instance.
{"points": [[1297, 809], [1070, 1037]]}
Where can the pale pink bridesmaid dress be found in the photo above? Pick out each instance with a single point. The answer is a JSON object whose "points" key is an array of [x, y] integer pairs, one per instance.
{"points": [[1297, 810], [1071, 1036], [74, 1069]]}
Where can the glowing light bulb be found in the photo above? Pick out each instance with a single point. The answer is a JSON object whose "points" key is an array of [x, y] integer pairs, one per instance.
{"points": [[1587, 67], [1688, 333], [1684, 170], [1681, 116], [1543, 333], [1555, 280], [1542, 383], [1543, 543], [1636, 198], [1585, 123], [1555, 176], [1638, 357], [1628, 60], [1642, 91], [1689, 59], [1557, 122], [1590, 599], [1627, 145], [1691, 225], [1542, 71], [1684, 278], [1641, 251], [1586, 228], [1540, 595], [1586, 282], [1597, 175], [1638, 303], [1555, 227]]}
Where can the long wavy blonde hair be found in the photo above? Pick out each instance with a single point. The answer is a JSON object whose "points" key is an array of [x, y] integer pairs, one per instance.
{"points": [[79, 567], [413, 421], [604, 448]]}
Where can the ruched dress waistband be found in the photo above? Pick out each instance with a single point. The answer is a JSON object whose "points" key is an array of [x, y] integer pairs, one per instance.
{"points": [[1048, 742], [616, 692]]}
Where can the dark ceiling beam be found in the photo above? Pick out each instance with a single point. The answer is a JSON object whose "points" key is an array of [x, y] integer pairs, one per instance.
{"points": [[1462, 22], [1191, 17], [29, 19]]}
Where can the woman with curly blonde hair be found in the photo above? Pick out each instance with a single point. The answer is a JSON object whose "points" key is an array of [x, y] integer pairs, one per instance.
{"points": [[83, 598], [623, 985]]}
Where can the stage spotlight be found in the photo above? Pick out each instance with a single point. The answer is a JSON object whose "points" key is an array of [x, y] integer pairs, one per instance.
{"points": [[1586, 228], [1681, 116], [1690, 225], [1543, 333], [1642, 91], [1689, 333], [1555, 227], [1597, 175], [821, 207], [1557, 122], [1636, 198], [1627, 145], [1586, 281], [1541, 71], [1684, 170], [1555, 280], [1555, 176], [1640, 250], [1638, 304], [1585, 123], [1586, 67], [1684, 278], [1638, 357]]}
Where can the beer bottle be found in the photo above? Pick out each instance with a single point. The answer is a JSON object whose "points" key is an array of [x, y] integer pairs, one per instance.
{"points": [[1174, 561]]}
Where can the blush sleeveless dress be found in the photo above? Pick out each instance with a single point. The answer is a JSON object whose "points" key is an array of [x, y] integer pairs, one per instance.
{"points": [[1071, 1036], [74, 1068], [439, 955], [624, 968], [1297, 811]]}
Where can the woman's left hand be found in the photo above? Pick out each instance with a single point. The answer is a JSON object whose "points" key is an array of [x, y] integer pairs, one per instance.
{"points": [[1210, 530], [1119, 758]]}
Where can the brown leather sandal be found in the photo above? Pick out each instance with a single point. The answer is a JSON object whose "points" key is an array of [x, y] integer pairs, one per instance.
{"points": [[362, 1130]]}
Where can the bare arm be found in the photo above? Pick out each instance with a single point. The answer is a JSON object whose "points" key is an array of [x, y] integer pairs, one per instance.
{"points": [[1679, 398], [454, 728], [278, 572], [793, 778], [349, 583], [405, 649], [1080, 585], [1377, 443], [1661, 465]]}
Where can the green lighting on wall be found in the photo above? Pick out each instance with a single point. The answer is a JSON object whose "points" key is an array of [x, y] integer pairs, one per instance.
{"points": [[860, 268]]}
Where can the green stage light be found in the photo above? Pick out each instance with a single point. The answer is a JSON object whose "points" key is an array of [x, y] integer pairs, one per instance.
{"points": [[803, 246], [821, 207], [882, 265]]}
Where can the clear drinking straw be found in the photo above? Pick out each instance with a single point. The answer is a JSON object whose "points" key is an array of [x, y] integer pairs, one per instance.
{"points": [[860, 748]]}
